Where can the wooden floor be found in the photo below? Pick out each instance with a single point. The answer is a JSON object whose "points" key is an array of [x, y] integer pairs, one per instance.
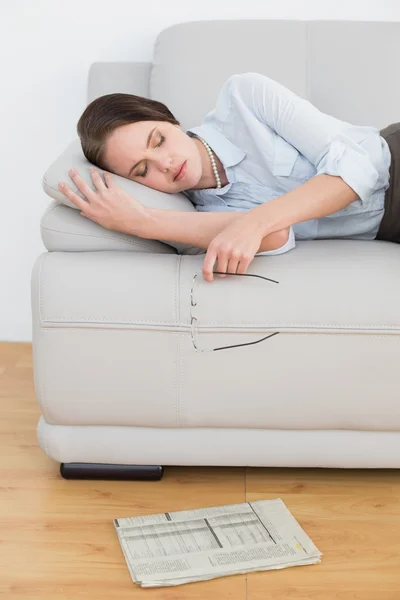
{"points": [[57, 539]]}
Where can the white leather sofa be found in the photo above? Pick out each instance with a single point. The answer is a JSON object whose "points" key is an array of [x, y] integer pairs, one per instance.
{"points": [[122, 389]]}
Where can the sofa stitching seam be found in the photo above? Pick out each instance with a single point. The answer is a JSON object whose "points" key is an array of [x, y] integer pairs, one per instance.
{"points": [[177, 351], [180, 357], [309, 333], [225, 325]]}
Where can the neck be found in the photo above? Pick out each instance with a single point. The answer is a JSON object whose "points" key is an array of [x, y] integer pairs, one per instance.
{"points": [[207, 179]]}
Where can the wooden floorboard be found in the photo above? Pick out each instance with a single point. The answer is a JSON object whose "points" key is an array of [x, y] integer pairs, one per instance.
{"points": [[57, 539]]}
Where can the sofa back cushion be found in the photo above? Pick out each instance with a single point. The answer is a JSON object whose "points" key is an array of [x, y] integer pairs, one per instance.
{"points": [[345, 68]]}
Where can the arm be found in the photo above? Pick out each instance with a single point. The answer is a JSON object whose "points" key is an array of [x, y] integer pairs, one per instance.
{"points": [[354, 153], [349, 159], [320, 196], [199, 229]]}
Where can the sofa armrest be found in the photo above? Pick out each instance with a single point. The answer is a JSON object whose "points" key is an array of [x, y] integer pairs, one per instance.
{"points": [[65, 230]]}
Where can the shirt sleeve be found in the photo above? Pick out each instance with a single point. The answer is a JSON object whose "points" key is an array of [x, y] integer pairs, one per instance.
{"points": [[334, 147], [289, 245]]}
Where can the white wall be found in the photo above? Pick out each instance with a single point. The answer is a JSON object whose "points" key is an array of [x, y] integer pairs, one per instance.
{"points": [[46, 49]]}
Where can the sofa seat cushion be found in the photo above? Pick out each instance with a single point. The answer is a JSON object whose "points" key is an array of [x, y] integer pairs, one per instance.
{"points": [[121, 324]]}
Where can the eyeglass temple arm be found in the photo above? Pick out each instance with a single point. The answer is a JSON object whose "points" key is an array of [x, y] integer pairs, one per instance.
{"points": [[246, 275], [247, 343]]}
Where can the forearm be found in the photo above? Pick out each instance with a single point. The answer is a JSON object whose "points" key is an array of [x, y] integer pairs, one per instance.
{"points": [[320, 196], [200, 228]]}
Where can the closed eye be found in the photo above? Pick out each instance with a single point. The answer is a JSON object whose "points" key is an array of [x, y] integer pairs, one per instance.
{"points": [[144, 173]]}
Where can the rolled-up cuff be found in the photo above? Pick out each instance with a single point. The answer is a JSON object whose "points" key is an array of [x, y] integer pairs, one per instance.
{"points": [[352, 163], [290, 243]]}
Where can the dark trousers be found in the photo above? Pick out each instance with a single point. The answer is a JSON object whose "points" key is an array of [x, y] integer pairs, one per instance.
{"points": [[389, 228]]}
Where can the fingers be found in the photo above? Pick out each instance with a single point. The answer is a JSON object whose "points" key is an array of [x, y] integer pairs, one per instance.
{"points": [[100, 185], [234, 261], [82, 185], [222, 265], [229, 262], [244, 264], [208, 264], [109, 180], [80, 203], [98, 180]]}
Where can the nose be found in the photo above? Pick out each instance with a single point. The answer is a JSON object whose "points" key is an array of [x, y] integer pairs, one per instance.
{"points": [[164, 163]]}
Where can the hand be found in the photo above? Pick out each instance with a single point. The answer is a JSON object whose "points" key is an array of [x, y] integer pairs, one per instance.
{"points": [[109, 205], [234, 247]]}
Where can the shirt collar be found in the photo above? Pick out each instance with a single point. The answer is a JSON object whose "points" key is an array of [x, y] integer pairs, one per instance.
{"points": [[228, 153]]}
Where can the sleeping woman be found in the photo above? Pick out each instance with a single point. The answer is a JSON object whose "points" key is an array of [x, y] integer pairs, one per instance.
{"points": [[264, 168]]}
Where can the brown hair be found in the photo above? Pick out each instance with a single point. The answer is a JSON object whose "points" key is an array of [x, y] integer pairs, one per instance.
{"points": [[104, 114]]}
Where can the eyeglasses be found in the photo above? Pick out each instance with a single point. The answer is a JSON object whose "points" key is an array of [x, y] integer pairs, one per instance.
{"points": [[194, 320]]}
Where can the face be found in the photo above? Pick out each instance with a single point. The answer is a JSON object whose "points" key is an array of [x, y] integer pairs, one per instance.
{"points": [[168, 148]]}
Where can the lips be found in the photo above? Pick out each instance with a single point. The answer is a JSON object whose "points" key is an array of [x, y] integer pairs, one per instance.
{"points": [[180, 169]]}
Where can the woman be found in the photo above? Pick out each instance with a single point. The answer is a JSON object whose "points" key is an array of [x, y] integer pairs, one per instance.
{"points": [[264, 167]]}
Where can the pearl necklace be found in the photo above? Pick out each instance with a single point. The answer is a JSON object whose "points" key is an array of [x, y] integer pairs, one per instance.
{"points": [[213, 163]]}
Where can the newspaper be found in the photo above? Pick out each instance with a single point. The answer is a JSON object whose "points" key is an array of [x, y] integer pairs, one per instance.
{"points": [[181, 547]]}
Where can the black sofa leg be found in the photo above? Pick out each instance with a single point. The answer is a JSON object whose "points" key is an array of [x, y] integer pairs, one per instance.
{"points": [[113, 472]]}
